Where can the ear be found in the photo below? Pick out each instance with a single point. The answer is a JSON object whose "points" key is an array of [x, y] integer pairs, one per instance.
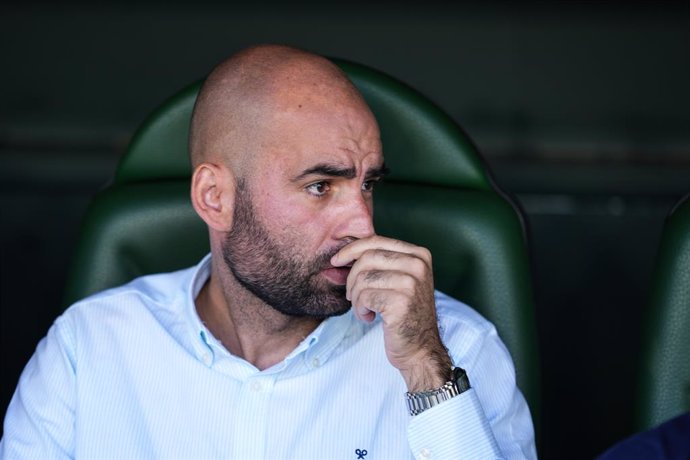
{"points": [[213, 195]]}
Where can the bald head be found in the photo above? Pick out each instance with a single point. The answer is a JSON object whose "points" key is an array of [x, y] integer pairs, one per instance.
{"points": [[235, 103]]}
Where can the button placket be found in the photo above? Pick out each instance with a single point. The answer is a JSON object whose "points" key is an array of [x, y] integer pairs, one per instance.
{"points": [[254, 400]]}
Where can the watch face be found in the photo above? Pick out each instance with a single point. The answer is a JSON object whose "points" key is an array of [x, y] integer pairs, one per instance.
{"points": [[462, 382]]}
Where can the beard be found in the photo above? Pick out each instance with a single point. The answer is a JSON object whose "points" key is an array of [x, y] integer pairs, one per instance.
{"points": [[276, 272]]}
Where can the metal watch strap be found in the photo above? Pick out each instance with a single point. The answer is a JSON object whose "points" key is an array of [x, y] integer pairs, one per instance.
{"points": [[423, 400]]}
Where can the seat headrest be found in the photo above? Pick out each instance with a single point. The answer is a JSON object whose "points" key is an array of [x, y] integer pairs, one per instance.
{"points": [[412, 130]]}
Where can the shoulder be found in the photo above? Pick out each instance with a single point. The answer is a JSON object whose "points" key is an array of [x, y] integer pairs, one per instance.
{"points": [[147, 295]]}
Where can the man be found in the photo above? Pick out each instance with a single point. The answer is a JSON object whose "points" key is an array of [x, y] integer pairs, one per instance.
{"points": [[302, 335]]}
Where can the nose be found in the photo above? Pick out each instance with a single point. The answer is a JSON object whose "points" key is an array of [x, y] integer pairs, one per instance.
{"points": [[355, 217]]}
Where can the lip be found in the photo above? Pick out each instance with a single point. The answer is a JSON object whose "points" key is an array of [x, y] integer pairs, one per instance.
{"points": [[337, 275]]}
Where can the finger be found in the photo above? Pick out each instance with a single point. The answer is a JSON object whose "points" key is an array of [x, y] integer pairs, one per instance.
{"points": [[382, 259], [382, 301], [354, 250], [364, 314], [381, 279], [373, 261]]}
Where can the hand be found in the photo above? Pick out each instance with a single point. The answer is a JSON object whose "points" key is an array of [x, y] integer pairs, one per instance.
{"points": [[395, 279]]}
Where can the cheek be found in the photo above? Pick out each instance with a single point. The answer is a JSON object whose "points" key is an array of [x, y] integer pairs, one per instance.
{"points": [[281, 213], [286, 219], [297, 226]]}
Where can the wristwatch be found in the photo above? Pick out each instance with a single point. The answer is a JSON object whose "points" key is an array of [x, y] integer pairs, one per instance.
{"points": [[423, 400]]}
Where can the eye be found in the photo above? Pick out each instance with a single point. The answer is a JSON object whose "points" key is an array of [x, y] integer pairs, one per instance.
{"points": [[368, 185], [318, 188]]}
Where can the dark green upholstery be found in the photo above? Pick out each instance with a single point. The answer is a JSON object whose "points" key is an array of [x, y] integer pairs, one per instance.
{"points": [[665, 377], [439, 195]]}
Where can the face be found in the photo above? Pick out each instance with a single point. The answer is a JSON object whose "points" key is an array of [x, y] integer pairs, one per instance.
{"points": [[279, 273], [312, 194]]}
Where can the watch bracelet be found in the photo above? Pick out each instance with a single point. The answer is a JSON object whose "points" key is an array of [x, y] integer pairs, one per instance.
{"points": [[423, 400]]}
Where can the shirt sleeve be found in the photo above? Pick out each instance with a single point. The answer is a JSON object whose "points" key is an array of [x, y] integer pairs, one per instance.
{"points": [[39, 423], [455, 429], [489, 421]]}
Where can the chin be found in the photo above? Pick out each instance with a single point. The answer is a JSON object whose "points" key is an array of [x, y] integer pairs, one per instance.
{"points": [[336, 305]]}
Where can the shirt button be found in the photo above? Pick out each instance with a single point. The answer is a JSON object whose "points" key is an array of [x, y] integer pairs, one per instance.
{"points": [[315, 362], [256, 386], [206, 358], [424, 453]]}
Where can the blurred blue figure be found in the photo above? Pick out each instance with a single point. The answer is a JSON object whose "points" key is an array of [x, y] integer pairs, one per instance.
{"points": [[668, 441]]}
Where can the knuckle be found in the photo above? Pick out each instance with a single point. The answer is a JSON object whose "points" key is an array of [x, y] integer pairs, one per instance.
{"points": [[418, 267], [368, 297], [361, 278], [388, 255], [373, 275]]}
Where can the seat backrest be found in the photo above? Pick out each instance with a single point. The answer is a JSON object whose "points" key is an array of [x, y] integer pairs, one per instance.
{"points": [[439, 195], [664, 390]]}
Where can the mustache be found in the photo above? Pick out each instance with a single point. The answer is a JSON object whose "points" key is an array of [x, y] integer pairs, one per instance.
{"points": [[323, 260]]}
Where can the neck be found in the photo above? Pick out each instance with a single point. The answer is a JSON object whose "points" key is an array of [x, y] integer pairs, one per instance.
{"points": [[246, 326]]}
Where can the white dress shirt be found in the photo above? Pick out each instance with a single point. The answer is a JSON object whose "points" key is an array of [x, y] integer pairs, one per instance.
{"points": [[132, 373]]}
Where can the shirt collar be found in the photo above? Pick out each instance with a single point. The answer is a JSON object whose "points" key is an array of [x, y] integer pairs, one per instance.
{"points": [[200, 333]]}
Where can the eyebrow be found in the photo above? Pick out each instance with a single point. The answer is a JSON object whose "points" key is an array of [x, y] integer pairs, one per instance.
{"points": [[381, 171], [325, 169]]}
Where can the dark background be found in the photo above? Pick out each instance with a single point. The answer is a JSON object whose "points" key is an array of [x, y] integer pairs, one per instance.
{"points": [[581, 110]]}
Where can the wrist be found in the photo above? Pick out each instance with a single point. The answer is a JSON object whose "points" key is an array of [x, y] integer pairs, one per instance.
{"points": [[427, 379], [428, 373], [458, 383]]}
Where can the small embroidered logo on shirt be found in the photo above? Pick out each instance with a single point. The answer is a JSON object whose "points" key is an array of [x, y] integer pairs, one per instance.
{"points": [[361, 453]]}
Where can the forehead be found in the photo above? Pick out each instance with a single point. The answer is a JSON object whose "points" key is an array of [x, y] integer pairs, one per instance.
{"points": [[306, 131]]}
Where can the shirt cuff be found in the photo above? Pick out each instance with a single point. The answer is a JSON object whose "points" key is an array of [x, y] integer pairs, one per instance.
{"points": [[454, 429]]}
